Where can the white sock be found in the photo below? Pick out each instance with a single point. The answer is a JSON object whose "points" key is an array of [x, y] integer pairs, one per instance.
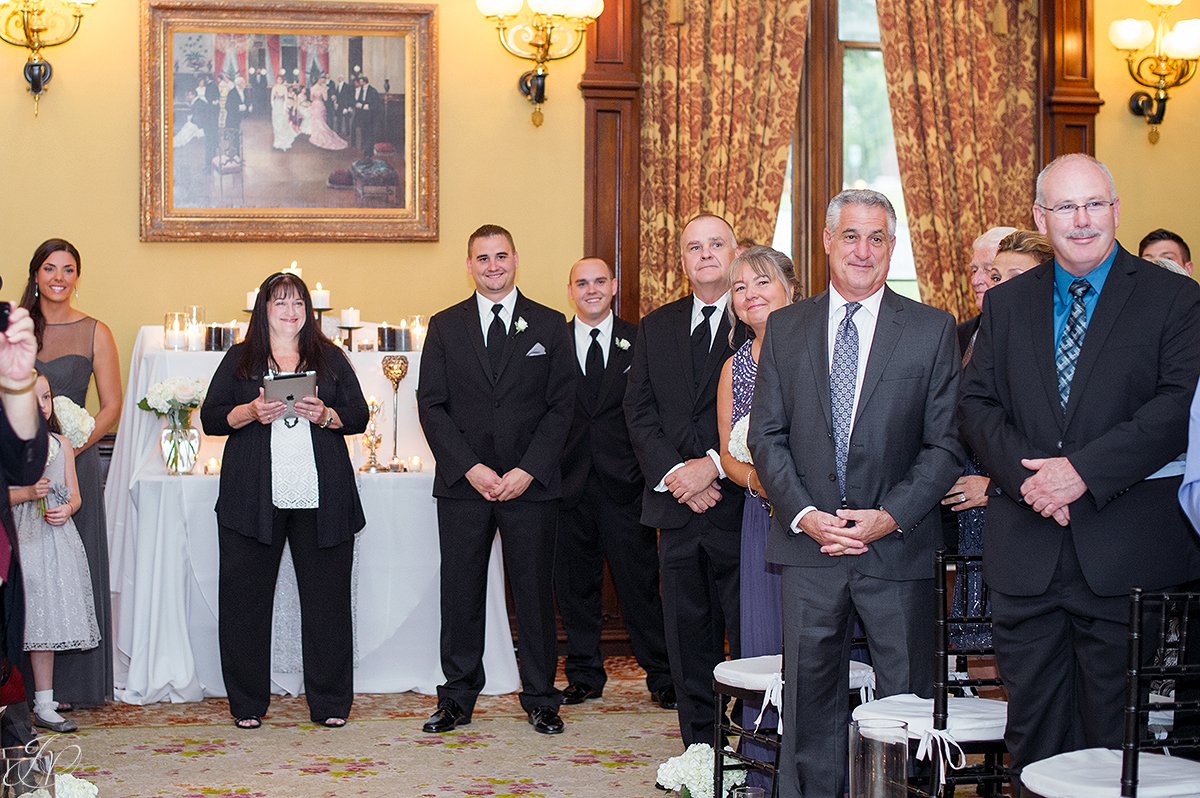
{"points": [[44, 706]]}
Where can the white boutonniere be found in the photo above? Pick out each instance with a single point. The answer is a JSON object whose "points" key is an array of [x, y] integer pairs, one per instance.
{"points": [[621, 343], [521, 325]]}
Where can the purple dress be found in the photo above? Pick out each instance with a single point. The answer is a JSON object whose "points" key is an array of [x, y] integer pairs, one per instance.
{"points": [[761, 612]]}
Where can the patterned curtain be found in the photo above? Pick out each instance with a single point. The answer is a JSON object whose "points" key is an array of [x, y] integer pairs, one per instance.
{"points": [[721, 86], [962, 82]]}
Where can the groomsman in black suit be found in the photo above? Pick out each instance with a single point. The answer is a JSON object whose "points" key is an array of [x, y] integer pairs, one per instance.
{"points": [[602, 502], [495, 398], [671, 408]]}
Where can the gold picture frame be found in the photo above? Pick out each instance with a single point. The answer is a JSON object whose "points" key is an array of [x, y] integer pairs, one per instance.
{"points": [[248, 135]]}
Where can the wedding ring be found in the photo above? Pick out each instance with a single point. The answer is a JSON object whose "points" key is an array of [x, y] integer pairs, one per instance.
{"points": [[962, 497]]}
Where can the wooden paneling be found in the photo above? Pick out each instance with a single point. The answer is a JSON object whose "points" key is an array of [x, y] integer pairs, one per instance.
{"points": [[1070, 101], [611, 88]]}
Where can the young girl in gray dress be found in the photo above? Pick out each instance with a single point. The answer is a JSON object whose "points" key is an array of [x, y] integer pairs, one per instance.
{"points": [[59, 610]]}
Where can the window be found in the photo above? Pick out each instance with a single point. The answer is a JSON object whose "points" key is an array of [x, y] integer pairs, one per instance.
{"points": [[843, 139]]}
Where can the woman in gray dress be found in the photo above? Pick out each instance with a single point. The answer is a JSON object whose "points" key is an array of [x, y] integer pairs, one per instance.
{"points": [[72, 349]]}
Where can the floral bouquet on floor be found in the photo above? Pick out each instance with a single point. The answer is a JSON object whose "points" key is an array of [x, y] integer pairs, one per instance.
{"points": [[691, 773], [77, 424], [174, 399]]}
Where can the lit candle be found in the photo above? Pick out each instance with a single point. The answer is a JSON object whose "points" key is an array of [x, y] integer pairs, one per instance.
{"points": [[397, 465], [213, 466], [174, 336], [293, 269], [320, 298], [251, 298], [195, 337], [414, 463], [418, 336], [351, 317], [388, 338], [404, 337]]}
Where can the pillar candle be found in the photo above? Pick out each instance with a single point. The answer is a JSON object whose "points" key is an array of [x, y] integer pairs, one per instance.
{"points": [[320, 297], [351, 317]]}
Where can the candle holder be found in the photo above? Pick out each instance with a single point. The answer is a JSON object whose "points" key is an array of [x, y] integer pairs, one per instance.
{"points": [[372, 439], [350, 334], [320, 313], [395, 368], [175, 331]]}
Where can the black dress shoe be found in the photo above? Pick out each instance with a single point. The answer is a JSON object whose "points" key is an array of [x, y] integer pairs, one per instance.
{"points": [[545, 720], [449, 716], [665, 697], [578, 692]]}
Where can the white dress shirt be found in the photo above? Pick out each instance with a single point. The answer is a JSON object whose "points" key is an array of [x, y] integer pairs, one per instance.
{"points": [[583, 339], [714, 321], [485, 311], [864, 320]]}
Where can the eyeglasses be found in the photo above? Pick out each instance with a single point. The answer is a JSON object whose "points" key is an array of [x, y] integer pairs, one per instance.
{"points": [[1066, 210]]}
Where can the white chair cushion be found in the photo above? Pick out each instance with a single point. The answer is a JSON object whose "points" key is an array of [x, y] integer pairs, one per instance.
{"points": [[1096, 773], [750, 673], [968, 719]]}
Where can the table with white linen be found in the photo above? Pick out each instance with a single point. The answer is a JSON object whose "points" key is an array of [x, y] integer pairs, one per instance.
{"points": [[164, 557]]}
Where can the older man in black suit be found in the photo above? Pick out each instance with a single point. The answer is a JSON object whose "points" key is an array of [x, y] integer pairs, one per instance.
{"points": [[854, 439], [671, 409], [495, 398], [602, 502], [1076, 401]]}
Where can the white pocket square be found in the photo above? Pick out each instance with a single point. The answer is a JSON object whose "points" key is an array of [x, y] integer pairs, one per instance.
{"points": [[537, 349], [626, 371]]}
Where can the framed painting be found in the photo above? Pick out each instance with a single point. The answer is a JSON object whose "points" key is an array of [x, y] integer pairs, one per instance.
{"points": [[265, 120]]}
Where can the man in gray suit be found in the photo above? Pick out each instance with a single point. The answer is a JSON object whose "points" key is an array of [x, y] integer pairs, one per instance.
{"points": [[854, 439]]}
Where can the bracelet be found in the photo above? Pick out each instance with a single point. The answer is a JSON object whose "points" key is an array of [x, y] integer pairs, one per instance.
{"points": [[749, 487], [328, 419], [26, 388]]}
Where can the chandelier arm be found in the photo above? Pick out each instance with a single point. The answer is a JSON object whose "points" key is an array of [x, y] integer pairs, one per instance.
{"points": [[502, 34], [578, 35], [33, 41], [78, 19], [1186, 72]]}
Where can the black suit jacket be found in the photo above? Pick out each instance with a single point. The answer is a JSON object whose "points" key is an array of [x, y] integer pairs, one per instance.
{"points": [[965, 331], [904, 448], [517, 419], [1127, 416], [244, 500], [670, 419], [599, 437]]}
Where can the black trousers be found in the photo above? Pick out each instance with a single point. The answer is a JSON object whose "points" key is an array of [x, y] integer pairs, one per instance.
{"points": [[595, 529], [1062, 655], [248, 573], [466, 528], [701, 606]]}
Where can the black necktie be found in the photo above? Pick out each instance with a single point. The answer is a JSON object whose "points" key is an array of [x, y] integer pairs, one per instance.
{"points": [[593, 366], [701, 343], [495, 338]]}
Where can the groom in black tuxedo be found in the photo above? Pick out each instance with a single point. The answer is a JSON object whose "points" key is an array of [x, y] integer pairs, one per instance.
{"points": [[495, 397], [602, 502]]}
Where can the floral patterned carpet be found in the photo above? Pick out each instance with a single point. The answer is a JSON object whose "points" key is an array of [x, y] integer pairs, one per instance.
{"points": [[612, 746]]}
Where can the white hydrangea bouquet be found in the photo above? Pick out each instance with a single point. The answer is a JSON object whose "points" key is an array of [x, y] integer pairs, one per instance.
{"points": [[737, 440], [77, 424], [691, 773], [174, 398]]}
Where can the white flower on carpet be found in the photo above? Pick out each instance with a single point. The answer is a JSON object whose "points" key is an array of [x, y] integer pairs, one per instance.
{"points": [[67, 786], [691, 773], [77, 424], [737, 440]]}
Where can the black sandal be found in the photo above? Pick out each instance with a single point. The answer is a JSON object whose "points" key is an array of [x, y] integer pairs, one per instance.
{"points": [[248, 722]]}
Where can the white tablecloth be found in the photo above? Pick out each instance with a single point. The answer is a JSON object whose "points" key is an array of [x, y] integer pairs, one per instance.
{"points": [[163, 549]]}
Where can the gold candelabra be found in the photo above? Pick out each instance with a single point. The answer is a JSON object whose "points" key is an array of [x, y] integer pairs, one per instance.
{"points": [[36, 25], [395, 368], [372, 438]]}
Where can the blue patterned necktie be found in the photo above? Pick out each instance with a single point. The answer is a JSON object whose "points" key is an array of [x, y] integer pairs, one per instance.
{"points": [[1071, 341], [843, 374]]}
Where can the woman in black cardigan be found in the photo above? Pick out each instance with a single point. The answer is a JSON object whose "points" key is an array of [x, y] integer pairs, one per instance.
{"points": [[286, 477]]}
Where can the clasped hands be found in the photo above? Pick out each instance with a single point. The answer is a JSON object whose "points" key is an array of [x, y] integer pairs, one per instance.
{"points": [[496, 488], [1053, 486], [695, 484], [837, 534]]}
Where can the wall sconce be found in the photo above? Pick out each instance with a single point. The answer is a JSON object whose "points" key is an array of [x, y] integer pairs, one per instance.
{"points": [[30, 25], [555, 31], [1172, 64]]}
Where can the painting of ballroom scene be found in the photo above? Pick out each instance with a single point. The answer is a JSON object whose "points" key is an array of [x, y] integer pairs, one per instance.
{"points": [[266, 120]]}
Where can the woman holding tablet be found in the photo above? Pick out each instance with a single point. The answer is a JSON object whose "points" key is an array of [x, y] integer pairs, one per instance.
{"points": [[287, 477]]}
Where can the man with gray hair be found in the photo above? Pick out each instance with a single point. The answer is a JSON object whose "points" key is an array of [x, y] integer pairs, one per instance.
{"points": [[854, 440], [1076, 402], [982, 277]]}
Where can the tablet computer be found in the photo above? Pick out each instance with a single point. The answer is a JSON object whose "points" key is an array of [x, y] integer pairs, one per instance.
{"points": [[288, 387]]}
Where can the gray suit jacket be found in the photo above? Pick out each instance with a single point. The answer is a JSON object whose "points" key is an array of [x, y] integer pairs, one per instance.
{"points": [[904, 448]]}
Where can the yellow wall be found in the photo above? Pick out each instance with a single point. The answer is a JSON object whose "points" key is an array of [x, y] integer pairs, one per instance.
{"points": [[74, 172], [1156, 182]]}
